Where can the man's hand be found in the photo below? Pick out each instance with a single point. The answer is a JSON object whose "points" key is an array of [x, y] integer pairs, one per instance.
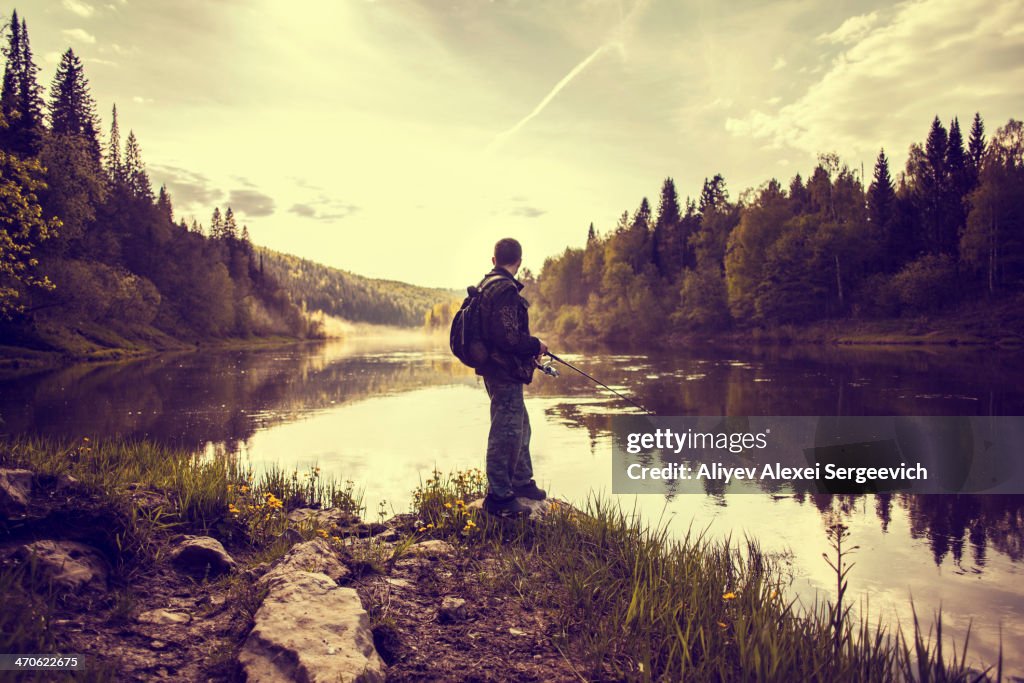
{"points": [[543, 349]]}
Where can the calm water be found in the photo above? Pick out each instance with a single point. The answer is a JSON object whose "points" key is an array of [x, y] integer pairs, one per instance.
{"points": [[385, 412]]}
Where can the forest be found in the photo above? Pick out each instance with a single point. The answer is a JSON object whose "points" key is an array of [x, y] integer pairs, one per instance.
{"points": [[317, 287], [87, 245], [946, 233]]}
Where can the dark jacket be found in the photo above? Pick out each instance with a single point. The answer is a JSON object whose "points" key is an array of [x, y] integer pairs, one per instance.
{"points": [[507, 330]]}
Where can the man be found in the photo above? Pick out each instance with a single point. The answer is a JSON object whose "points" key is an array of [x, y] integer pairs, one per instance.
{"points": [[510, 366]]}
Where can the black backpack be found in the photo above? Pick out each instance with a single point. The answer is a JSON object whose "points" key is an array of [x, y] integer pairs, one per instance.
{"points": [[468, 338]]}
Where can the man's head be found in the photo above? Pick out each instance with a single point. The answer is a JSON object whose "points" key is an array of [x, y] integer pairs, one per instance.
{"points": [[508, 254]]}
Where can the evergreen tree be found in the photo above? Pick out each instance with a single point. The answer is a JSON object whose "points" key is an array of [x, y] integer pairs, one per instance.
{"points": [[799, 198], [163, 204], [10, 96], [230, 226], [591, 235], [642, 217], [669, 245], [713, 196], [20, 97], [976, 148], [881, 212], [115, 169], [216, 224], [136, 178], [72, 109]]}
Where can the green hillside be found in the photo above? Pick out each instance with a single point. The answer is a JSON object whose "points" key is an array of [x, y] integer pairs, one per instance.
{"points": [[350, 296]]}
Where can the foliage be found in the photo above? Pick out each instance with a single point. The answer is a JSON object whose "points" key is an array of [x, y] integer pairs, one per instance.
{"points": [[22, 228], [350, 296], [950, 229]]}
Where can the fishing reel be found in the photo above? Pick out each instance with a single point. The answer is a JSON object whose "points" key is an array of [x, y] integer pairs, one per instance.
{"points": [[547, 367]]}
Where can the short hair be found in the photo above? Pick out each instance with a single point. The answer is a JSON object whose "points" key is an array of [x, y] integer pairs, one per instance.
{"points": [[507, 251]]}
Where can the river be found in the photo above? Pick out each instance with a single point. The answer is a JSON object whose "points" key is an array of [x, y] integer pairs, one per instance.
{"points": [[383, 412]]}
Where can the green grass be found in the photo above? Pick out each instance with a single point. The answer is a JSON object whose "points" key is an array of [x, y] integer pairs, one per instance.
{"points": [[629, 601], [633, 602]]}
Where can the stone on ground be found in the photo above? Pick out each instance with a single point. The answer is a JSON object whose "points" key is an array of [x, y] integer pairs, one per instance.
{"points": [[452, 610], [69, 565], [202, 556], [312, 556], [164, 617], [311, 629], [434, 548], [15, 491], [538, 508]]}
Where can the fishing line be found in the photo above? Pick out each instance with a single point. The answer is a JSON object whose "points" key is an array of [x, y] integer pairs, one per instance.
{"points": [[597, 381]]}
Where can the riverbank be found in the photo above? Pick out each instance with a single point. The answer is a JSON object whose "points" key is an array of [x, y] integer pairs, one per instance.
{"points": [[443, 591], [994, 325], [25, 351]]}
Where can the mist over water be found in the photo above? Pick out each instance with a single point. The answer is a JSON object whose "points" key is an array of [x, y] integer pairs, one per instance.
{"points": [[385, 412]]}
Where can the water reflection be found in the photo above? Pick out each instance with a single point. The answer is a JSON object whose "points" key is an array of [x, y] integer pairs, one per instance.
{"points": [[383, 413]]}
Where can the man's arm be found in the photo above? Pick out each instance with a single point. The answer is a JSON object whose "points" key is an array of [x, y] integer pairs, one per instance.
{"points": [[509, 326]]}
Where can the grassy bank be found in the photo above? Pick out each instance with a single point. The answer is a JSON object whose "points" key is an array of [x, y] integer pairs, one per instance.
{"points": [[985, 324], [611, 597], [43, 347]]}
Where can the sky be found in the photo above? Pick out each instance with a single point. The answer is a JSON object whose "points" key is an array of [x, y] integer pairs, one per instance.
{"points": [[401, 138]]}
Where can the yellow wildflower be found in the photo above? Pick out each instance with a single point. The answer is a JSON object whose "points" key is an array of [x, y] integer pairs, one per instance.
{"points": [[729, 596], [448, 505]]}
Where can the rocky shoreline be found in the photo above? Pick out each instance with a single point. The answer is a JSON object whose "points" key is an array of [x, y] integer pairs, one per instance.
{"points": [[377, 601]]}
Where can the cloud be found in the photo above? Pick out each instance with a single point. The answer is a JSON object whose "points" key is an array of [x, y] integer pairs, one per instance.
{"points": [[80, 8], [251, 202], [79, 35], [138, 99], [780, 63], [851, 30], [527, 212], [324, 210], [946, 57], [188, 189]]}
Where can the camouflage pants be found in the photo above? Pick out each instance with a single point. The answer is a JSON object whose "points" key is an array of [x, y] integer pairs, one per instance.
{"points": [[508, 443]]}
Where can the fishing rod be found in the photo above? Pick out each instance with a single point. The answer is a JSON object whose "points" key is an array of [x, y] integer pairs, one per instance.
{"points": [[554, 373]]}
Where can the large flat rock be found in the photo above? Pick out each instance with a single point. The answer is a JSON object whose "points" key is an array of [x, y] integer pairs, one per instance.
{"points": [[312, 556], [310, 629]]}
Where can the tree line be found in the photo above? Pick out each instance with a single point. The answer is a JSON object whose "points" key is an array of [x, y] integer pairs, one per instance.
{"points": [[949, 230], [85, 240], [350, 296]]}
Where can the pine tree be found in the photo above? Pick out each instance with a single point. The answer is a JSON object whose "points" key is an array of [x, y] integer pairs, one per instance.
{"points": [[10, 96], [72, 109], [163, 204], [798, 195], [136, 178], [881, 193], [713, 196], [230, 226], [115, 169], [642, 217], [591, 234], [20, 97], [668, 243], [31, 97], [881, 213], [216, 224], [976, 148]]}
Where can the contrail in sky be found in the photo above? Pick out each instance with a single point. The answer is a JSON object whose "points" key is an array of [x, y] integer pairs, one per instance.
{"points": [[503, 137]]}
